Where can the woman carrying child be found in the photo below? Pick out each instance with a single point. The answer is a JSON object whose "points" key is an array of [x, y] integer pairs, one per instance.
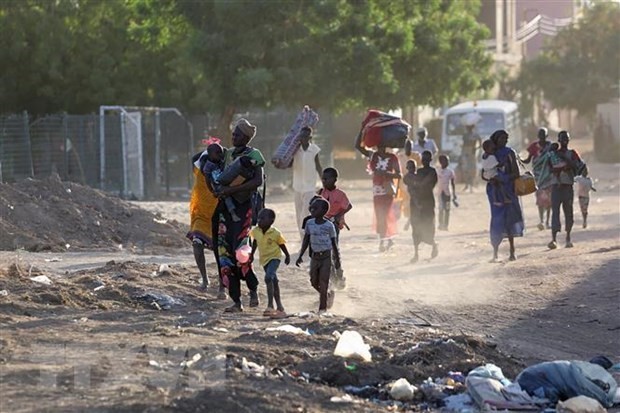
{"points": [[232, 237], [506, 217]]}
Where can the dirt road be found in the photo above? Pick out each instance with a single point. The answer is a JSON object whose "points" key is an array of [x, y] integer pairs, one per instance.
{"points": [[73, 346]]}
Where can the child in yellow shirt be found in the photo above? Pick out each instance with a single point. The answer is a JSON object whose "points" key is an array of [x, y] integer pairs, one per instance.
{"points": [[270, 244]]}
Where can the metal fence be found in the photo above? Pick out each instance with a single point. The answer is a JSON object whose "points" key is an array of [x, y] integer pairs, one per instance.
{"points": [[141, 153]]}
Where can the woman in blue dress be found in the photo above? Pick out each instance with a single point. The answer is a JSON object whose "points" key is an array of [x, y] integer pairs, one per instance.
{"points": [[506, 217]]}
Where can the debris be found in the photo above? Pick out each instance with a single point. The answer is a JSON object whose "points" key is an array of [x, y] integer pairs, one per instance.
{"points": [[192, 361], [460, 403], [42, 279], [580, 404], [164, 269], [4, 293], [351, 345], [220, 329], [159, 300], [402, 390], [343, 399], [287, 328], [160, 221], [249, 367], [153, 363], [53, 259], [303, 314]]}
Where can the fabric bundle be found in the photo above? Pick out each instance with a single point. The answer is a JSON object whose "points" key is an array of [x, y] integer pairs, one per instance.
{"points": [[283, 156], [382, 129]]}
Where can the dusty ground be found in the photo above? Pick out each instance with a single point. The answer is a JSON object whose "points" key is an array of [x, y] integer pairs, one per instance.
{"points": [[87, 343]]}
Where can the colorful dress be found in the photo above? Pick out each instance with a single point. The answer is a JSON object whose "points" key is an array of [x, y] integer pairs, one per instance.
{"points": [[542, 173], [384, 191], [202, 206], [232, 236], [506, 217]]}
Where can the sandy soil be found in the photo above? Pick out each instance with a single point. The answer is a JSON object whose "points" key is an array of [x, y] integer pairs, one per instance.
{"points": [[88, 343]]}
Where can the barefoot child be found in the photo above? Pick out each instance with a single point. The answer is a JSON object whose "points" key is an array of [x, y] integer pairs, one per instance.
{"points": [[270, 244], [339, 205], [320, 234], [584, 186], [447, 191]]}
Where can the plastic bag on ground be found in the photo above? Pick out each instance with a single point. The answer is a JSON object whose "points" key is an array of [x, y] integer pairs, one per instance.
{"points": [[287, 328], [351, 345], [580, 404], [402, 390]]}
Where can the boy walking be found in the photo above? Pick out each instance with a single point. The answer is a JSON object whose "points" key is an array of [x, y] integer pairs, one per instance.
{"points": [[584, 186], [339, 205], [447, 191], [320, 235], [270, 244]]}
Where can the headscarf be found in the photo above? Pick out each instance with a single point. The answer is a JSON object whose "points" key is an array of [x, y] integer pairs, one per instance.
{"points": [[497, 134], [246, 128]]}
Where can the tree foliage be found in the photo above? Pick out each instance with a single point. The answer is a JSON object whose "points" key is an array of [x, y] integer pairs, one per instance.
{"points": [[225, 56], [580, 67]]}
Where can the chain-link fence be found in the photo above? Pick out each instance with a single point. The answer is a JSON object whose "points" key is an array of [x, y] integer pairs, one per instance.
{"points": [[141, 153]]}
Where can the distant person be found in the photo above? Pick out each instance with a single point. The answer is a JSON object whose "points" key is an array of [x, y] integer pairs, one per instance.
{"points": [[270, 244], [467, 161], [543, 193], [339, 205], [421, 184], [447, 191], [306, 167], [321, 237], [490, 169], [564, 170], [421, 144], [202, 207], [584, 186], [506, 218], [385, 168]]}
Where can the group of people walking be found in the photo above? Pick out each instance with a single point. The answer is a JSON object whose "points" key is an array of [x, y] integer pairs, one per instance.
{"points": [[228, 216], [225, 205]]}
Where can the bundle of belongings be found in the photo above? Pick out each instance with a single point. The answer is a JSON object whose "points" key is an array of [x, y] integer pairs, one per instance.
{"points": [[283, 156], [571, 386], [382, 129]]}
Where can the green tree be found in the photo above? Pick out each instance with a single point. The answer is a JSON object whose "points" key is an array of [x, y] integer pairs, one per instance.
{"points": [[334, 54], [75, 55], [580, 67]]}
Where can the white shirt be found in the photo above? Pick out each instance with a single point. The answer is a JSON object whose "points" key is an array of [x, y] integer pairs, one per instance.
{"points": [[584, 185], [444, 176], [304, 169], [489, 166], [429, 145]]}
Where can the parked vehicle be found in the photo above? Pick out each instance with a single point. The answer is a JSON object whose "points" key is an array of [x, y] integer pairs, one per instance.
{"points": [[487, 116]]}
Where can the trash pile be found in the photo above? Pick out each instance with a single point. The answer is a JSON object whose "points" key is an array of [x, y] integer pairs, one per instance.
{"points": [[51, 215], [568, 386]]}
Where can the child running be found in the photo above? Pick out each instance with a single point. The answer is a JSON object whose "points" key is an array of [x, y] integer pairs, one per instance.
{"points": [[270, 244], [339, 205], [490, 167], [447, 191], [320, 235], [584, 185], [212, 170]]}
